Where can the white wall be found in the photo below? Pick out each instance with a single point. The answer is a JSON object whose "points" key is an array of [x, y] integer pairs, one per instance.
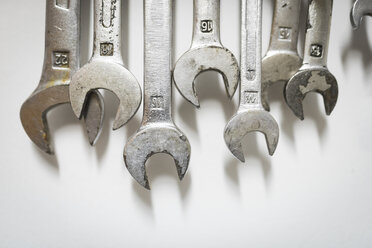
{"points": [[314, 192]]}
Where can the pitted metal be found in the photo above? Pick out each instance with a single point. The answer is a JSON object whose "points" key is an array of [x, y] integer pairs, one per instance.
{"points": [[106, 70], [282, 60], [206, 53], [360, 8], [251, 115], [158, 133], [313, 76], [61, 61]]}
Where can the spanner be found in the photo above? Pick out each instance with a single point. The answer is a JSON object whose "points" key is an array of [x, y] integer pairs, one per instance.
{"points": [[105, 70], [251, 115], [158, 133], [206, 53], [61, 61], [313, 76], [360, 9], [281, 61]]}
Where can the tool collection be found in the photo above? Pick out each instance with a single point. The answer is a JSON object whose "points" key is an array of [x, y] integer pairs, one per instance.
{"points": [[62, 82]]}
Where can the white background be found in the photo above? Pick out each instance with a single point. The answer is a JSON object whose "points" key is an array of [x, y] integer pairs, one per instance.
{"points": [[314, 192]]}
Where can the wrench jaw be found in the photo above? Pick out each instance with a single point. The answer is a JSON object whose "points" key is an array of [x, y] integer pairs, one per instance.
{"points": [[93, 116], [311, 80], [110, 76], [246, 121], [277, 67], [152, 139], [360, 9], [198, 60]]}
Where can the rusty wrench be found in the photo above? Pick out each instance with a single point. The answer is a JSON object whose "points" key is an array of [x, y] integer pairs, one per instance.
{"points": [[360, 9]]}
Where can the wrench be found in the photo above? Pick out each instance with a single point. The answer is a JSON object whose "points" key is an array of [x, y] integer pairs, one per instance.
{"points": [[251, 115], [158, 133], [281, 61], [360, 9], [61, 60], [105, 70], [313, 76], [206, 53]]}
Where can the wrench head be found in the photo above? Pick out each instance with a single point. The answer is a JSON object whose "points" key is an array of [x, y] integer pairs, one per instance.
{"points": [[246, 121], [110, 76], [198, 60], [318, 80], [152, 139], [277, 66], [360, 9]]}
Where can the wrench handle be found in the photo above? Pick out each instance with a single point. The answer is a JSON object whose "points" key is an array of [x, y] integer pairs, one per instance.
{"points": [[107, 30], [317, 33], [284, 28], [206, 28], [250, 76], [157, 65]]}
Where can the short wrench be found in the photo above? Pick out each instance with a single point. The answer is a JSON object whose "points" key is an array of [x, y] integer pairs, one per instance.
{"points": [[313, 76], [158, 133], [251, 115], [360, 9], [206, 53], [281, 61], [61, 61], [105, 70]]}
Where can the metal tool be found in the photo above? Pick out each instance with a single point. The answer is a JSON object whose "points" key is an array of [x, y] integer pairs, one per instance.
{"points": [[158, 133], [313, 76], [206, 53], [251, 115], [61, 61], [360, 9], [105, 70], [281, 61]]}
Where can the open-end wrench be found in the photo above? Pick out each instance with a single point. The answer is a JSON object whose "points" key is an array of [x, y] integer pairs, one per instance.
{"points": [[281, 61], [158, 133], [313, 76], [206, 53], [105, 70], [251, 115], [61, 61], [360, 9]]}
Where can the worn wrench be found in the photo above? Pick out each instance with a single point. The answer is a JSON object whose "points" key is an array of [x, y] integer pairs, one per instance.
{"points": [[206, 53], [360, 9], [251, 115], [313, 76], [105, 70], [61, 61], [158, 133], [281, 61]]}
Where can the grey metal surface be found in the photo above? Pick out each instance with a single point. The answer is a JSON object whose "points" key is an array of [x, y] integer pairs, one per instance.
{"points": [[157, 133], [313, 76], [360, 8], [61, 61], [282, 60], [206, 53], [251, 115], [106, 70]]}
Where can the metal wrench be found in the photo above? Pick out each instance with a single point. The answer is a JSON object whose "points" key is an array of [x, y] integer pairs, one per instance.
{"points": [[313, 76], [206, 53], [158, 133], [105, 70], [61, 61], [281, 61], [360, 9], [251, 115]]}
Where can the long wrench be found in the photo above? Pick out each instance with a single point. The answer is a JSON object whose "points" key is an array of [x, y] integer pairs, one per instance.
{"points": [[251, 115], [158, 133], [61, 61], [360, 8], [313, 76], [106, 70], [206, 53], [281, 61]]}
